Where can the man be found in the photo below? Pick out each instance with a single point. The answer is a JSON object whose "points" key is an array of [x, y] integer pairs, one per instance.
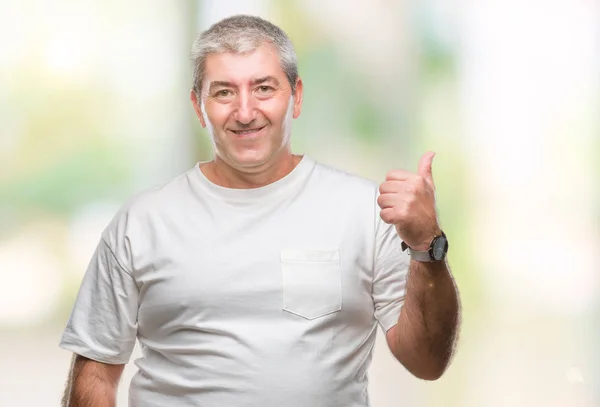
{"points": [[259, 278]]}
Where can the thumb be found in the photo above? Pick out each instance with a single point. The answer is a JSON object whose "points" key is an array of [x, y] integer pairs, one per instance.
{"points": [[425, 167]]}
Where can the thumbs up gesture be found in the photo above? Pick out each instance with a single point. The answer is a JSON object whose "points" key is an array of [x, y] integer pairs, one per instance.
{"points": [[407, 200]]}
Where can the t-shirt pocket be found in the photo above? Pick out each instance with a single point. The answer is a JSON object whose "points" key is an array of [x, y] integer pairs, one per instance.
{"points": [[311, 280]]}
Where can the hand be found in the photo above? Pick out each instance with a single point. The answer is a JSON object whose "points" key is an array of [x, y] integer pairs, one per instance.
{"points": [[407, 200]]}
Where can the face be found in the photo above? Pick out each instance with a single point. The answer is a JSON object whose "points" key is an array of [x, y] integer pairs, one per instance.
{"points": [[247, 107]]}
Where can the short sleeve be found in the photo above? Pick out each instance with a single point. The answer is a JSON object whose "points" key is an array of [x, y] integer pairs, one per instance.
{"points": [[103, 322], [390, 271]]}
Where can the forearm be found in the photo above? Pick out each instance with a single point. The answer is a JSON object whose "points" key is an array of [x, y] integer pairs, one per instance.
{"points": [[91, 384], [428, 324], [92, 393]]}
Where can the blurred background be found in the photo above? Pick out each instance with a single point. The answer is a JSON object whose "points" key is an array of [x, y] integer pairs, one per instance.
{"points": [[94, 108]]}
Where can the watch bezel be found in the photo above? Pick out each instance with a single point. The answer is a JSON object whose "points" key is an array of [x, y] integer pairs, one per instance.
{"points": [[434, 244]]}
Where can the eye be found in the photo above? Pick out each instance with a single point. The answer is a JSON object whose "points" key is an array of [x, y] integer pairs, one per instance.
{"points": [[264, 89], [223, 93]]}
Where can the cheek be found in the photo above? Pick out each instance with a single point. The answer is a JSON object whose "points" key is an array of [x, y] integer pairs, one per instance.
{"points": [[275, 112], [217, 114]]}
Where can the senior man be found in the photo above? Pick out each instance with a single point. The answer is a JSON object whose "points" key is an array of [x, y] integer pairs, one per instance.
{"points": [[260, 278]]}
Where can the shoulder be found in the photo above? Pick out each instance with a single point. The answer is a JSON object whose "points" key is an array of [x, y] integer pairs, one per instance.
{"points": [[137, 212], [344, 193], [342, 181]]}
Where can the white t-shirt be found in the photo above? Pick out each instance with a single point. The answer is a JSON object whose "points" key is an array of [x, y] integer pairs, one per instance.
{"points": [[244, 297]]}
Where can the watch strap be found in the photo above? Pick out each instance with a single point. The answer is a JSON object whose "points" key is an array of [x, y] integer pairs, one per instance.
{"points": [[420, 256], [423, 256]]}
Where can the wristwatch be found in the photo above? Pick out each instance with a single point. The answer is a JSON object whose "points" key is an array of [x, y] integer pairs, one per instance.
{"points": [[437, 250]]}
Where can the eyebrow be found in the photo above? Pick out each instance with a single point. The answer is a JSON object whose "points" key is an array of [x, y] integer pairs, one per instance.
{"points": [[264, 79], [220, 84], [253, 82]]}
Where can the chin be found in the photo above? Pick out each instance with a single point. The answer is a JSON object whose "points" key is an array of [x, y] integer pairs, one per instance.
{"points": [[250, 159]]}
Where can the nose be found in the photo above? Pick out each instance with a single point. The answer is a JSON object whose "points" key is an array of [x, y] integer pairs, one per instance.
{"points": [[245, 109]]}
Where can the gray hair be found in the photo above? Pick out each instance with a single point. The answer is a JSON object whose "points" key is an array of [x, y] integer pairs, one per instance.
{"points": [[243, 34]]}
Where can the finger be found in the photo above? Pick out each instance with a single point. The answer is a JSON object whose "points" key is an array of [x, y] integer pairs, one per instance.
{"points": [[387, 200], [392, 187], [388, 215], [398, 175], [425, 170]]}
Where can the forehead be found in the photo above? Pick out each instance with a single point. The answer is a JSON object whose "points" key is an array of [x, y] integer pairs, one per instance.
{"points": [[240, 68]]}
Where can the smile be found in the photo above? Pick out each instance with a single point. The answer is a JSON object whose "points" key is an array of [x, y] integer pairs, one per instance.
{"points": [[248, 132]]}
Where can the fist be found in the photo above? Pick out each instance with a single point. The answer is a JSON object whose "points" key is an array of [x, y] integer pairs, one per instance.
{"points": [[407, 200]]}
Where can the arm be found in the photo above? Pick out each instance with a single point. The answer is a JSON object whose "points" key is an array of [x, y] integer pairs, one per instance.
{"points": [[102, 326], [423, 340], [91, 383]]}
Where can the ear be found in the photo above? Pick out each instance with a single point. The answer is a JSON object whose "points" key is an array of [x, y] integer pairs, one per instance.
{"points": [[298, 98], [197, 108]]}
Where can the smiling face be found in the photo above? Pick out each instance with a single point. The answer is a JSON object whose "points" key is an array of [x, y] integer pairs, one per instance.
{"points": [[247, 106]]}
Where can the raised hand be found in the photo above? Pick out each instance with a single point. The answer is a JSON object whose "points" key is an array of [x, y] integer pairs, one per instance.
{"points": [[407, 200]]}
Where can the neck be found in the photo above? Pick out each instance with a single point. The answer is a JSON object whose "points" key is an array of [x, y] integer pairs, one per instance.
{"points": [[225, 175]]}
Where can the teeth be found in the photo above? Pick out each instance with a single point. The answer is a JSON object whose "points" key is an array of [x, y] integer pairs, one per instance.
{"points": [[246, 131]]}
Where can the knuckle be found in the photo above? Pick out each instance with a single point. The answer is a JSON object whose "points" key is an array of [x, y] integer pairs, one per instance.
{"points": [[419, 180], [401, 212]]}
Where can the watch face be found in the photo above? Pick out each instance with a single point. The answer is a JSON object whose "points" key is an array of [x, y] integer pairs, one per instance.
{"points": [[440, 247]]}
